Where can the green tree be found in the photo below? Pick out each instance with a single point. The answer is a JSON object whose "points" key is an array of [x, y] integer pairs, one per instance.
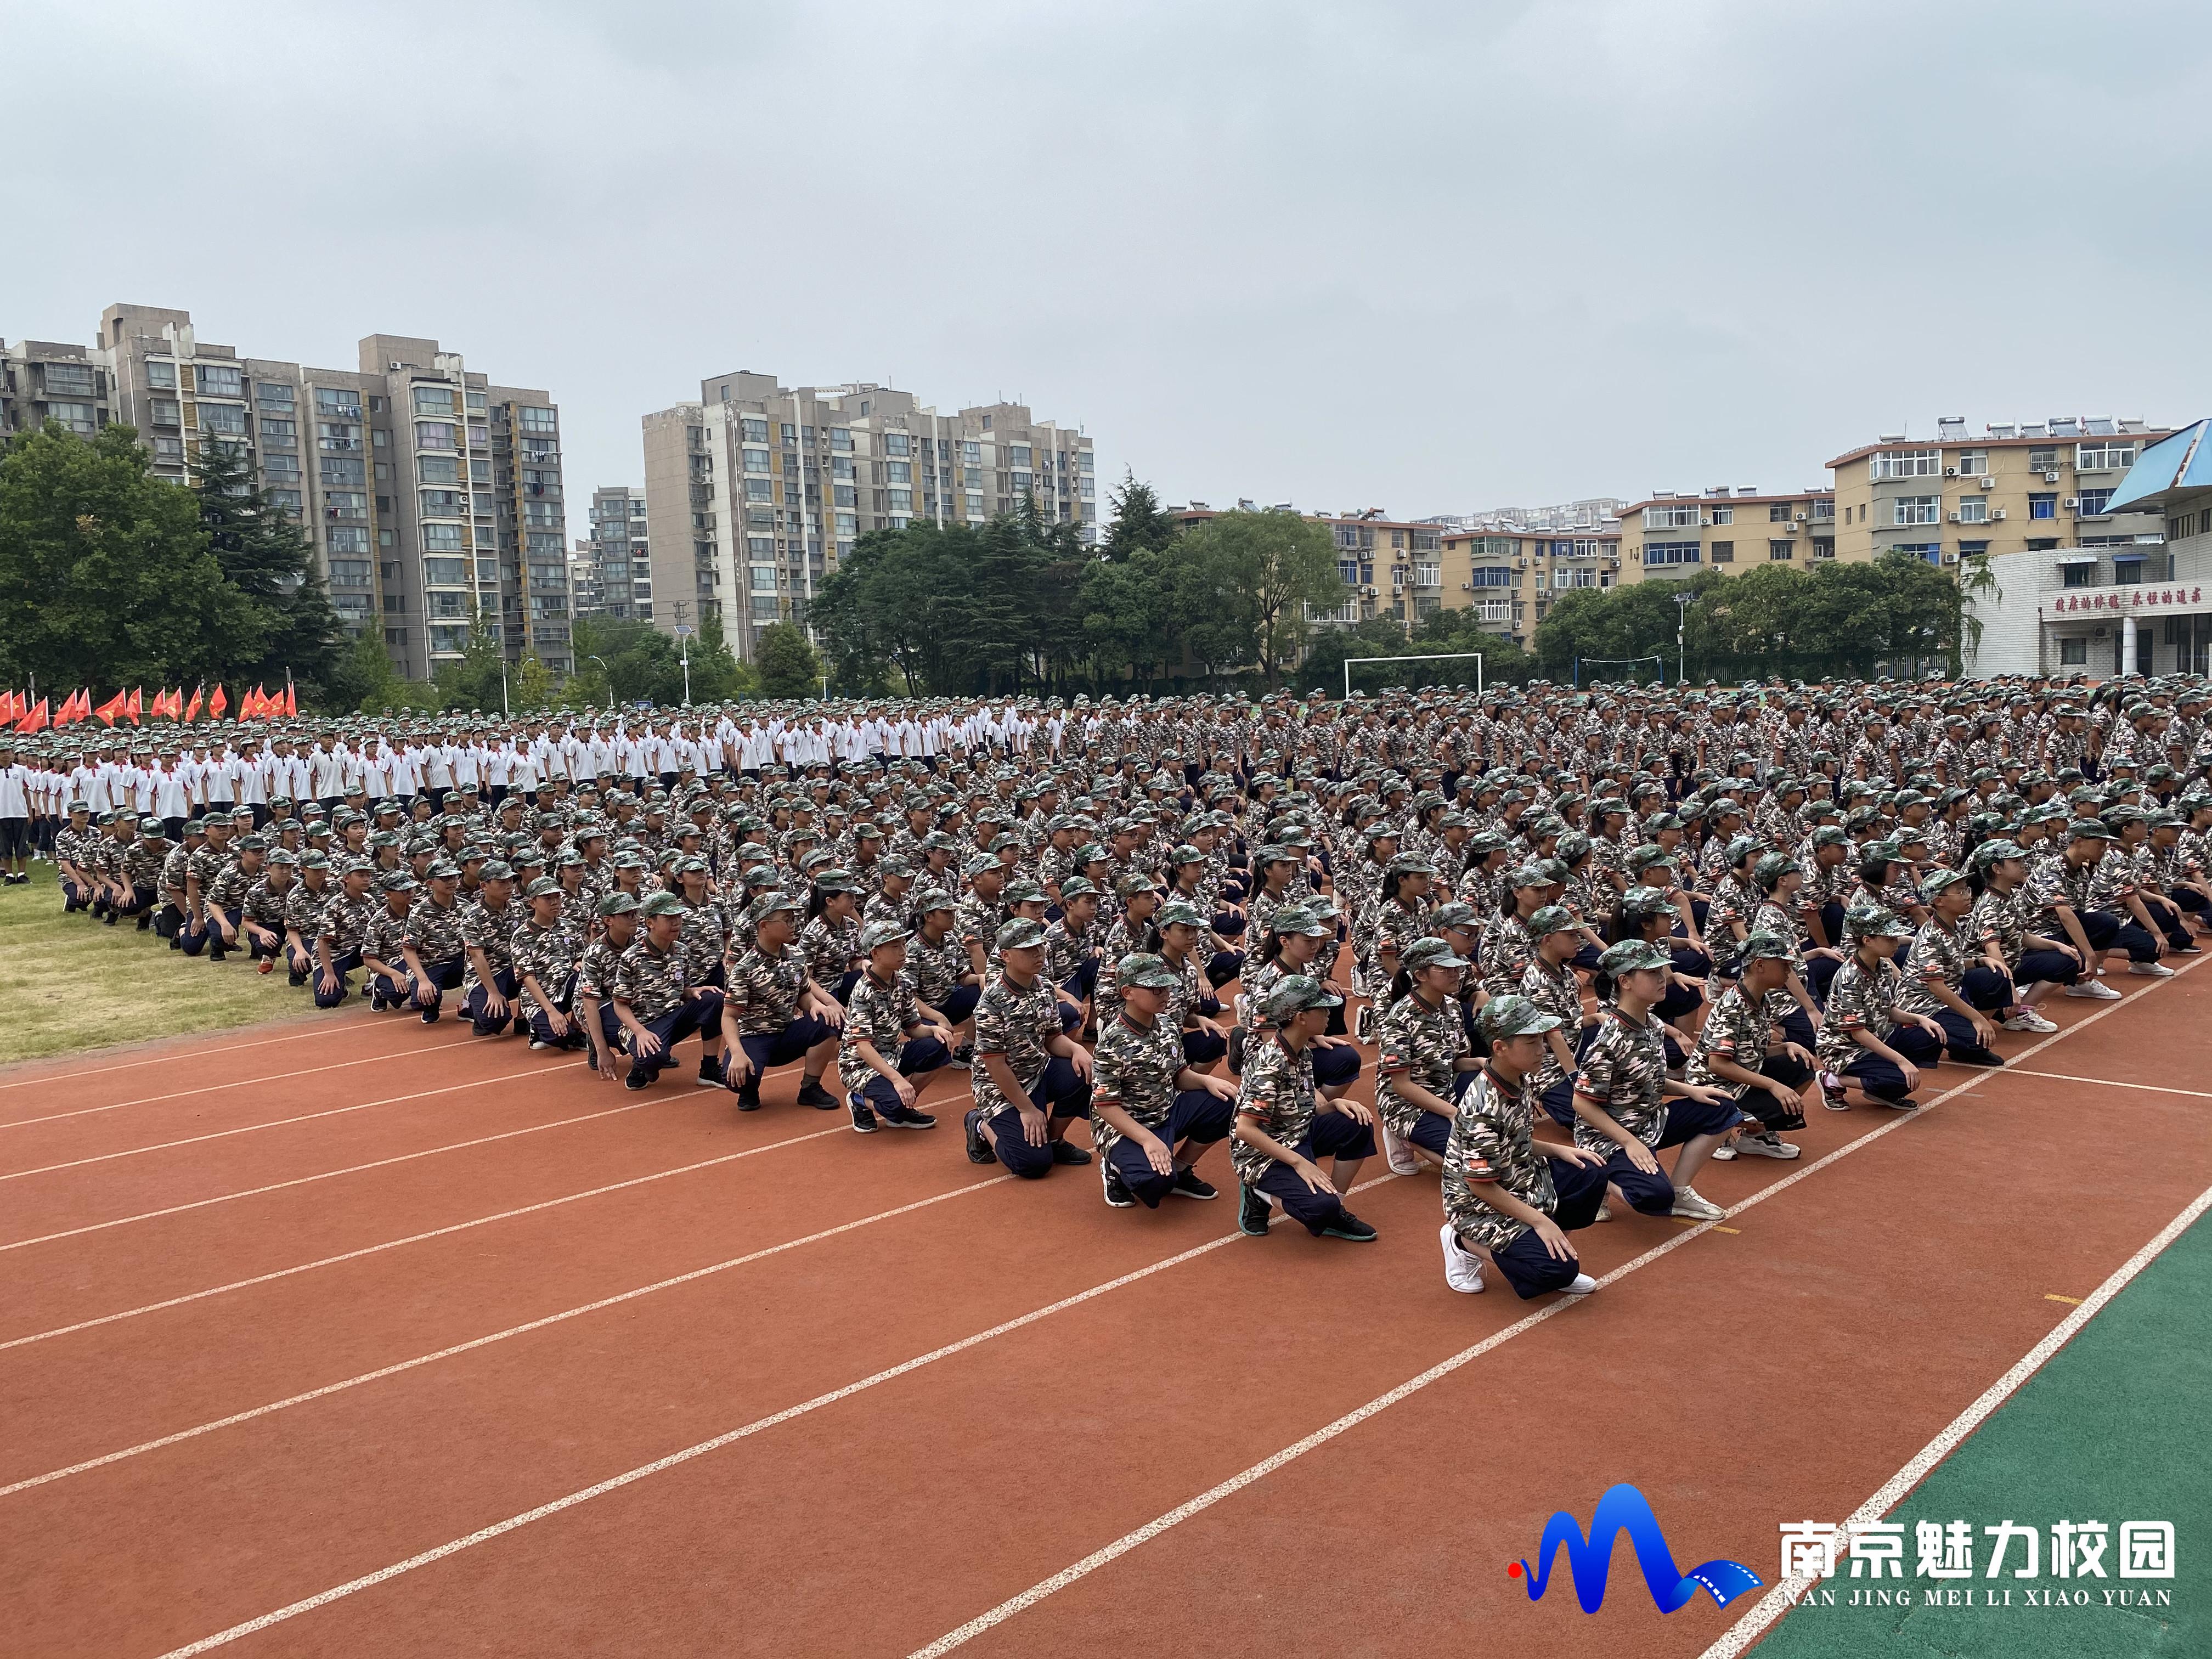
{"points": [[717, 676], [268, 558], [1266, 570], [1132, 623], [787, 663], [533, 683], [479, 680], [1139, 524], [366, 682], [106, 578], [633, 660]]}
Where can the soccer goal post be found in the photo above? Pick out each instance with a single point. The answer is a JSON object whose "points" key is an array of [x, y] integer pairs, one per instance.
{"points": [[1441, 656], [1592, 665]]}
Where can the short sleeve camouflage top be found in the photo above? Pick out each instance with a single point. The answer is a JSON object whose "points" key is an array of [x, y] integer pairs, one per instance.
{"points": [[1420, 1044], [1015, 1021], [1493, 1148], [1624, 1071], [1276, 1092]]}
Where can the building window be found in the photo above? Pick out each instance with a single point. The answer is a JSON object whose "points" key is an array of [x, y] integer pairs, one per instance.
{"points": [[444, 504], [1670, 516], [2074, 653], [446, 572], [1724, 515], [70, 380], [1918, 509], [1972, 549], [2039, 506], [538, 420], [337, 403], [763, 578], [897, 443], [898, 472], [434, 435], [2077, 575], [1664, 553], [1907, 463], [752, 431], [902, 501], [438, 470], [220, 380], [166, 411], [226, 419], [2103, 458], [1973, 509], [160, 376], [1973, 463], [1824, 547], [2043, 460], [343, 470], [848, 524], [1723, 552], [433, 400], [756, 460], [444, 537], [1495, 575], [2042, 544], [2128, 572], [347, 538], [1824, 512], [2093, 502], [1781, 550]]}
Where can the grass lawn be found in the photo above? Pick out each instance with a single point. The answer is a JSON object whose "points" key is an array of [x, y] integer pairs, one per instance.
{"points": [[68, 984]]}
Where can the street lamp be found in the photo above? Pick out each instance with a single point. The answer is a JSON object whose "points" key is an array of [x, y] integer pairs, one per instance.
{"points": [[684, 647], [610, 673], [1682, 604]]}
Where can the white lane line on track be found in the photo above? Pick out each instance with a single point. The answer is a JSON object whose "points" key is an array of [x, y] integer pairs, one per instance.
{"points": [[2114, 1083], [499, 1529], [230, 1085], [251, 1128], [1771, 1607], [398, 1243], [485, 1341], [350, 1168], [176, 1058], [1029, 1598]]}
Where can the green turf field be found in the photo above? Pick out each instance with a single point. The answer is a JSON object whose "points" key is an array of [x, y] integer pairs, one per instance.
{"points": [[68, 984], [2112, 1429]]}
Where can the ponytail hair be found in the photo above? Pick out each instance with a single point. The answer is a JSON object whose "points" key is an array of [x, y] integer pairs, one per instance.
{"points": [[1604, 987], [1402, 985]]}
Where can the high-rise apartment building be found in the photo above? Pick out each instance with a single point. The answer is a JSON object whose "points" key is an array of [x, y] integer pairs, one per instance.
{"points": [[616, 559], [2032, 486], [755, 492], [431, 495]]}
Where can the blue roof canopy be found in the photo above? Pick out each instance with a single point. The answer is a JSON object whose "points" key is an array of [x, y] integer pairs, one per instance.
{"points": [[2179, 462]]}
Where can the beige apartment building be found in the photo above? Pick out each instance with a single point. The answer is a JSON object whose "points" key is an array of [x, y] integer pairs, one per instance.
{"points": [[428, 492], [2018, 487], [1509, 578], [1393, 567], [754, 493], [1667, 536]]}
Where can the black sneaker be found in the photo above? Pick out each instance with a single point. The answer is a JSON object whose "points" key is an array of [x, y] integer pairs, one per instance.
{"points": [[864, 1117], [430, 1014], [1117, 1194], [1252, 1213], [710, 1071], [145, 924], [1350, 1227], [537, 1044], [812, 1093], [377, 1006], [748, 1097], [637, 1080], [896, 1116], [1188, 1185], [1063, 1153], [979, 1150]]}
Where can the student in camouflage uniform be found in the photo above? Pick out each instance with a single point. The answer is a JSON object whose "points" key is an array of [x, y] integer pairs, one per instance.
{"points": [[1283, 1124], [596, 974], [546, 949], [1621, 1091], [1510, 1199], [775, 1012], [1297, 941], [1740, 1050], [1424, 1060], [1872, 1048], [1549, 982], [1152, 1114], [437, 960], [1944, 950], [340, 927], [303, 913], [1030, 1079], [488, 924], [887, 1041], [657, 1006], [383, 945]]}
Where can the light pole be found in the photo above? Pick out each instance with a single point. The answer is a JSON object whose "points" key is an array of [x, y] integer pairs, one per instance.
{"points": [[1682, 604], [683, 650], [610, 673]]}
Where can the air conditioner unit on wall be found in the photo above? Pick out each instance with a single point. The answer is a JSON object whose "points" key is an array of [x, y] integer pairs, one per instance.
{"points": [[2073, 501], [2051, 476], [1950, 471], [1988, 482], [1996, 514]]}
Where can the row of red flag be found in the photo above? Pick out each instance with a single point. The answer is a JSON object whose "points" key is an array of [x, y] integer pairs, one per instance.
{"points": [[18, 713]]}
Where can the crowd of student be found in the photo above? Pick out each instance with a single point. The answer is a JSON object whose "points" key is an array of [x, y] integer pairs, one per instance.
{"points": [[1569, 931]]}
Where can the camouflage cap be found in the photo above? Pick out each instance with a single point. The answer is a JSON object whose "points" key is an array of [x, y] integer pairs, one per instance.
{"points": [[1293, 994], [661, 904], [1022, 933], [1146, 972], [877, 934], [618, 904], [1514, 1015]]}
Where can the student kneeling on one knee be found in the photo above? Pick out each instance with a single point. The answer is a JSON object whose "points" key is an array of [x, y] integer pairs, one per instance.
{"points": [[1152, 1114], [1283, 1125], [1425, 1060], [657, 1004], [1030, 1079]]}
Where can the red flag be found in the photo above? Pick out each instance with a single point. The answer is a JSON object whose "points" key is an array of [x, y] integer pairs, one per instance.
{"points": [[135, 707], [35, 720], [83, 710], [291, 699], [109, 712], [7, 707], [170, 704], [261, 708], [218, 702], [67, 713], [192, 708]]}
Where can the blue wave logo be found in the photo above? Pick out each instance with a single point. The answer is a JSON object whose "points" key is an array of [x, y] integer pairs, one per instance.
{"points": [[1623, 1509]]}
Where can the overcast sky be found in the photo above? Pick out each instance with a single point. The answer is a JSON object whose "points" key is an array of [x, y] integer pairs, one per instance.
{"points": [[1430, 257]]}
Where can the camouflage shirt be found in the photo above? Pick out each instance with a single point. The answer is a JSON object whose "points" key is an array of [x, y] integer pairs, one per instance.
{"points": [[1493, 1148], [491, 932], [832, 949], [1136, 1071], [763, 991], [1558, 992], [1737, 1030], [1416, 1044], [303, 909], [597, 970], [1998, 916], [434, 931], [264, 905], [1623, 1070], [1276, 1091], [1504, 955], [550, 953], [1015, 1022], [1860, 999], [880, 1014], [934, 970], [344, 922], [1941, 953], [2051, 882], [382, 938], [700, 939], [650, 983], [1066, 950]]}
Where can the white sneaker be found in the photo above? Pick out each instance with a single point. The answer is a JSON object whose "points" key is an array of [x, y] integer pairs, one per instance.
{"points": [[2028, 1020], [1765, 1144], [1462, 1272], [1725, 1154], [2150, 970], [1395, 1152], [1688, 1204], [1583, 1285], [2094, 991], [1604, 1213]]}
